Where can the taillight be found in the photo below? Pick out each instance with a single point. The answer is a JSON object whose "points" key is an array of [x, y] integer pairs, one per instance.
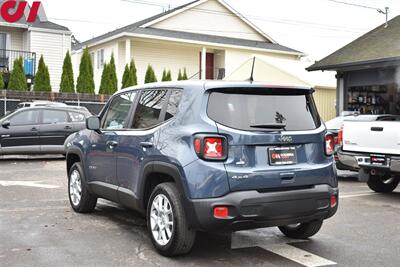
{"points": [[340, 137], [211, 147], [329, 144]]}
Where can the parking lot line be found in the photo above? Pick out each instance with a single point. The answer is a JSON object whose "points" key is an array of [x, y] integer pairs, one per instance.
{"points": [[298, 255], [28, 184], [279, 245], [357, 194]]}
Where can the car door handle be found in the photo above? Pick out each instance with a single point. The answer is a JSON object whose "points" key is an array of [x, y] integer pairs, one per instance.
{"points": [[112, 144], [68, 127], [147, 144], [34, 129], [377, 129]]}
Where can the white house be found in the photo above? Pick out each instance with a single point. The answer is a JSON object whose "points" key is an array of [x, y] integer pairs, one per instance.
{"points": [[30, 41], [207, 37]]}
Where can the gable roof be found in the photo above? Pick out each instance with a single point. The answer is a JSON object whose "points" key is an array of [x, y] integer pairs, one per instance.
{"points": [[143, 28], [379, 45], [40, 22]]}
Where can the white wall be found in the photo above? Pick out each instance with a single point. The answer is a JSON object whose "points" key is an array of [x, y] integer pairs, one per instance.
{"points": [[53, 47], [215, 22], [16, 36]]}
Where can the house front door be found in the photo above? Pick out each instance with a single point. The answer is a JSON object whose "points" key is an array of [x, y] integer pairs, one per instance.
{"points": [[209, 66]]}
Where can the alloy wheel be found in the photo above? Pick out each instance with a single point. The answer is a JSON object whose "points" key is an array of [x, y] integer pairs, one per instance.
{"points": [[75, 187], [161, 220]]}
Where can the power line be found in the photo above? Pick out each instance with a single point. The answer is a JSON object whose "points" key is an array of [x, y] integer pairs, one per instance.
{"points": [[265, 19], [353, 4]]}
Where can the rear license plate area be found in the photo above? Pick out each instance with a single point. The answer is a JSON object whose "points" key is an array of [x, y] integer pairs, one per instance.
{"points": [[379, 160], [282, 156]]}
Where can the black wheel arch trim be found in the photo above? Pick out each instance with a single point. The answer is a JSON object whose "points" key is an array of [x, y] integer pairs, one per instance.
{"points": [[173, 171]]}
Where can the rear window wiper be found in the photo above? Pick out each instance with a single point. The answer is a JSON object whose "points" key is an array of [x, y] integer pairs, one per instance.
{"points": [[269, 126]]}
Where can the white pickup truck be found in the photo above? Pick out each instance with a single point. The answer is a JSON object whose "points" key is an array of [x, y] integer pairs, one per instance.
{"points": [[373, 148]]}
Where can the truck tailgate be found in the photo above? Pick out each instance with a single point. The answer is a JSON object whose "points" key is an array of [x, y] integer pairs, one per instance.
{"points": [[378, 137]]}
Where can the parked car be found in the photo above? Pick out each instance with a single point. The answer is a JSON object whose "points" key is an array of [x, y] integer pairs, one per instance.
{"points": [[39, 130], [207, 156], [40, 104], [335, 125], [373, 149]]}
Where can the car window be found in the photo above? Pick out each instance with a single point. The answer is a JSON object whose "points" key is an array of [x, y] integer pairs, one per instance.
{"points": [[25, 118], [118, 112], [173, 104], [149, 108], [54, 116], [284, 109], [76, 117]]}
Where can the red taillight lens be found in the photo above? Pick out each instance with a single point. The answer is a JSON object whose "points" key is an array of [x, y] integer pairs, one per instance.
{"points": [[197, 145], [221, 212], [340, 137], [213, 148], [210, 147], [329, 144], [333, 201]]}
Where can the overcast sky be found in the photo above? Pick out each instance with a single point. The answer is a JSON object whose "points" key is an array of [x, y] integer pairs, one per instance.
{"points": [[316, 27]]}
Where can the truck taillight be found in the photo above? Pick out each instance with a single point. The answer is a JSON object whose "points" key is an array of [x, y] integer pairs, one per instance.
{"points": [[329, 144], [211, 147], [340, 137]]}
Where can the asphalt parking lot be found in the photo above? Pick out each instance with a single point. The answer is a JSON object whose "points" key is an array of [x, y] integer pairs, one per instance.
{"points": [[38, 228]]}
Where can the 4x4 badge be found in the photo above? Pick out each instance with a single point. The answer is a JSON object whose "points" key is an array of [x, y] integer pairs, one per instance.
{"points": [[285, 139]]}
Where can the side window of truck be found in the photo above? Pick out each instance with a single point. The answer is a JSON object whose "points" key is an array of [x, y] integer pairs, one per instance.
{"points": [[117, 114]]}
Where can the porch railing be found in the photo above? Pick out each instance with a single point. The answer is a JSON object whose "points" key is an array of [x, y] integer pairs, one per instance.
{"points": [[7, 58]]}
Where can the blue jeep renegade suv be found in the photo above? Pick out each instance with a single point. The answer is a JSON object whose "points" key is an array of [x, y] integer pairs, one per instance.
{"points": [[207, 156]]}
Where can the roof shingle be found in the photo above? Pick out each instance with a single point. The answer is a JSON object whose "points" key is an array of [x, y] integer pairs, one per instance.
{"points": [[380, 44]]}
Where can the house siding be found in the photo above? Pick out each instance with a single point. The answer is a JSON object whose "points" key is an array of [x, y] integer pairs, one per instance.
{"points": [[16, 37], [325, 99], [219, 22], [53, 47]]}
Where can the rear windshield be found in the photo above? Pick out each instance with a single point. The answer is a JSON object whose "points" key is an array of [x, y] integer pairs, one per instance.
{"points": [[283, 110]]}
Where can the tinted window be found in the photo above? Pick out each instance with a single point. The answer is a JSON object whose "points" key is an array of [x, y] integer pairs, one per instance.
{"points": [[118, 112], [173, 104], [279, 110], [54, 116], [149, 108], [76, 117], [25, 118]]}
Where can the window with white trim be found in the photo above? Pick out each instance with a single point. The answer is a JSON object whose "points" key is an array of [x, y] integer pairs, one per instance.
{"points": [[100, 58]]}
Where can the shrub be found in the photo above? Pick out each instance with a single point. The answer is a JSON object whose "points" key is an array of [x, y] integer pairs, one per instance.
{"points": [[112, 73], [184, 76], [180, 75], [85, 83], [1, 81], [17, 77], [133, 74], [169, 76], [164, 76], [125, 77], [67, 84], [150, 76], [42, 79], [105, 83]]}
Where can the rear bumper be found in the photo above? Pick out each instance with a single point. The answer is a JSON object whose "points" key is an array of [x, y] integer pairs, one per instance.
{"points": [[252, 209], [356, 160]]}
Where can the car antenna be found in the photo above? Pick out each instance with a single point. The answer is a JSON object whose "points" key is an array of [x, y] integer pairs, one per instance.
{"points": [[252, 70]]}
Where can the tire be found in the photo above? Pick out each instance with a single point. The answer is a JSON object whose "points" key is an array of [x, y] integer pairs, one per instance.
{"points": [[179, 239], [302, 230], [383, 184], [87, 202]]}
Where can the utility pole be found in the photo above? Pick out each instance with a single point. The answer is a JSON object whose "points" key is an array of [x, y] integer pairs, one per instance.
{"points": [[386, 13]]}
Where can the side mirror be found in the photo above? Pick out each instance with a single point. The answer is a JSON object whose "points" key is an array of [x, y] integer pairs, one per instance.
{"points": [[93, 123], [5, 124]]}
